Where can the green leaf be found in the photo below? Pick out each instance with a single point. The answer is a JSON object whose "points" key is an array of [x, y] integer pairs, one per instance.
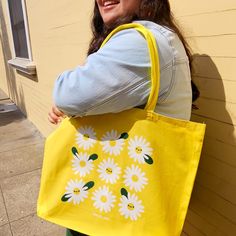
{"points": [[124, 192], [89, 185], [124, 136], [74, 150], [93, 157], [148, 159], [65, 198]]}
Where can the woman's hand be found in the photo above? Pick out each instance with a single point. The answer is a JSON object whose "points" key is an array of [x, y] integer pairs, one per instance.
{"points": [[55, 115]]}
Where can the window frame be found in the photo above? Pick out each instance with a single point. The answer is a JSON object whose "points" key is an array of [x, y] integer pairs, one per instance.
{"points": [[26, 65]]}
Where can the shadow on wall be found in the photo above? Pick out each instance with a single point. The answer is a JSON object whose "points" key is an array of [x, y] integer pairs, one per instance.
{"points": [[212, 102], [15, 92], [214, 177]]}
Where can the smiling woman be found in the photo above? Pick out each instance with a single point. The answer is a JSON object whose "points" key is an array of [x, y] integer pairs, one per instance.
{"points": [[127, 66], [116, 77], [113, 10]]}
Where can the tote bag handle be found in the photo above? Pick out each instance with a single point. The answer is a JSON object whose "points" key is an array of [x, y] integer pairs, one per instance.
{"points": [[154, 59]]}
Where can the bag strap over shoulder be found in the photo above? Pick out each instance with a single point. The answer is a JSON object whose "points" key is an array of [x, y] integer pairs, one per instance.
{"points": [[154, 59]]}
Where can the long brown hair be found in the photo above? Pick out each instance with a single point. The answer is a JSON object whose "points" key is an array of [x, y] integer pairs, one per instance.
{"points": [[157, 11]]}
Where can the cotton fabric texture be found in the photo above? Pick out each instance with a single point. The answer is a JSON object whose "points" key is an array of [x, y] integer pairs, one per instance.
{"points": [[128, 174], [121, 73]]}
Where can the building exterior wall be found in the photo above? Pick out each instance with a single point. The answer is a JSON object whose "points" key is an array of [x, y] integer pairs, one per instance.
{"points": [[59, 38], [210, 30], [60, 32]]}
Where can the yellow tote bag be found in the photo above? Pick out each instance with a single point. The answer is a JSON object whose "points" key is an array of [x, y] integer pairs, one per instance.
{"points": [[128, 174]]}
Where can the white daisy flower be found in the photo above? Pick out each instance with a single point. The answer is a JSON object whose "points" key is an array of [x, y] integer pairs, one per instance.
{"points": [[131, 207], [109, 171], [76, 191], [134, 178], [103, 199], [86, 137], [82, 164], [139, 149], [112, 143]]}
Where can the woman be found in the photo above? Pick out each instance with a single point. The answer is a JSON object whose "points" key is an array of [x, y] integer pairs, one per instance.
{"points": [[116, 77]]}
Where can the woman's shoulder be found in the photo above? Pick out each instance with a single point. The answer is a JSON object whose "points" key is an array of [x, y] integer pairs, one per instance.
{"points": [[133, 35], [156, 27], [158, 31], [167, 40], [132, 42]]}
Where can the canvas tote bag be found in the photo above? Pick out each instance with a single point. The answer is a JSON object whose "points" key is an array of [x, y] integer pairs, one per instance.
{"points": [[129, 173]]}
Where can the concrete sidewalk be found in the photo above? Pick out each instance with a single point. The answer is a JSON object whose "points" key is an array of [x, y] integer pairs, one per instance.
{"points": [[21, 155]]}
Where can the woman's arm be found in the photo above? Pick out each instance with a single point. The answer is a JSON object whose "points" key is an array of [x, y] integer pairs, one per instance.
{"points": [[107, 81]]}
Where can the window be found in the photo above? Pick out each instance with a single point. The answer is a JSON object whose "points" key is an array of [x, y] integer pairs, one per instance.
{"points": [[19, 26]]}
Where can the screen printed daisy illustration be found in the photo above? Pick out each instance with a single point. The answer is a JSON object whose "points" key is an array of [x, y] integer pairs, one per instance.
{"points": [[130, 206], [82, 162], [109, 171], [140, 150], [112, 142], [76, 191], [86, 137], [134, 178], [103, 199]]}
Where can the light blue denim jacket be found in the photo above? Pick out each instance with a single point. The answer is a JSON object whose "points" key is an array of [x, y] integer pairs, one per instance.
{"points": [[116, 77]]}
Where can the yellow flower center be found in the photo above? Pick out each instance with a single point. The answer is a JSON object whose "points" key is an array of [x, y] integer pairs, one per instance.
{"points": [[135, 178], [109, 171], [138, 150], [130, 206], [82, 163], [86, 136], [112, 143], [103, 199], [76, 191]]}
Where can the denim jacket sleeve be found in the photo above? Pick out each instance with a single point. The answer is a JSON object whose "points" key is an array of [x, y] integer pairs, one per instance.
{"points": [[113, 79]]}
